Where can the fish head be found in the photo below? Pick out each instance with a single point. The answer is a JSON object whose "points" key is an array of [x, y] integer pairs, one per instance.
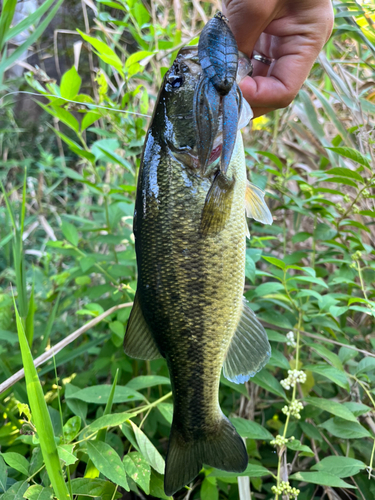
{"points": [[175, 108]]}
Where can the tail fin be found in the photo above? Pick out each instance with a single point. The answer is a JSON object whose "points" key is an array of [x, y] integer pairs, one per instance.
{"points": [[223, 449]]}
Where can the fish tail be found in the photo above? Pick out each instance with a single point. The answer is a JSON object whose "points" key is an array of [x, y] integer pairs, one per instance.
{"points": [[222, 448]]}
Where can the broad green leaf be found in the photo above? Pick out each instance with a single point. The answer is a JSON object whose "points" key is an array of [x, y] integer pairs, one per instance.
{"points": [[353, 154], [357, 409], [166, 409], [309, 279], [366, 365], [157, 487], [89, 118], [63, 115], [70, 84], [107, 461], [90, 487], [66, 453], [148, 450], [296, 445], [321, 478], [268, 288], [16, 491], [337, 376], [269, 382], [17, 461], [343, 429], [71, 428], [38, 492], [136, 57], [117, 328], [278, 359], [141, 14], [138, 469], [346, 172], [209, 489], [340, 466], [98, 394], [331, 407], [3, 474], [275, 262], [327, 354], [146, 381], [252, 470], [70, 232], [105, 421], [104, 52], [116, 159], [251, 429]]}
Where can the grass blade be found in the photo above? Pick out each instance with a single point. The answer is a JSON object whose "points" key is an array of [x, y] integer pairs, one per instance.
{"points": [[9, 6], [40, 415]]}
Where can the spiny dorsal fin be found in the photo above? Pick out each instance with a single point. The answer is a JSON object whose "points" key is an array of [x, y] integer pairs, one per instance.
{"points": [[255, 206], [138, 342], [249, 350]]}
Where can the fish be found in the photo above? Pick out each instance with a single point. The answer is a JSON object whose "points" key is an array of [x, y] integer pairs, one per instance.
{"points": [[189, 306]]}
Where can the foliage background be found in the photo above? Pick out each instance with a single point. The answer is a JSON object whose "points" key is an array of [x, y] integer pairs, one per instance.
{"points": [[68, 168]]}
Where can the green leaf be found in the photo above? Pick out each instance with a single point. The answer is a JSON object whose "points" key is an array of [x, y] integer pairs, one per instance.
{"points": [[209, 489], [70, 232], [365, 365], [72, 428], [7, 13], [148, 450], [357, 409], [340, 466], [352, 154], [37, 492], [63, 115], [16, 491], [146, 381], [321, 478], [343, 429], [252, 470], [141, 14], [251, 429], [346, 172], [90, 487], [89, 118], [337, 376], [107, 461], [105, 421], [138, 469], [116, 159], [331, 407], [327, 354], [275, 262], [296, 445], [17, 461], [3, 474], [166, 409], [269, 383], [66, 453], [70, 84], [104, 52], [268, 288], [117, 328], [98, 394], [309, 279]]}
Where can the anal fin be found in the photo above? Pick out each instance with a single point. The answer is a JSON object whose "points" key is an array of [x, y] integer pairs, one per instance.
{"points": [[249, 350], [138, 342], [255, 206]]}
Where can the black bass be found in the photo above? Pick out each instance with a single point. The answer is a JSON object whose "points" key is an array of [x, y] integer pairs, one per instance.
{"points": [[189, 306]]}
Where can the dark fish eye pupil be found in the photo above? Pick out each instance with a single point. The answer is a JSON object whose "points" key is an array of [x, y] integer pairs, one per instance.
{"points": [[177, 82]]}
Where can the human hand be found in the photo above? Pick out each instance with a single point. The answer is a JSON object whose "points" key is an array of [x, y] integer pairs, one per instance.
{"points": [[291, 33]]}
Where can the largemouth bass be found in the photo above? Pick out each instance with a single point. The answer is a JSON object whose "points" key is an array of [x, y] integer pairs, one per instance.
{"points": [[189, 306]]}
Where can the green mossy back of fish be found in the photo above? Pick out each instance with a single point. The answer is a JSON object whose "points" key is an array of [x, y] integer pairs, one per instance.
{"points": [[189, 301]]}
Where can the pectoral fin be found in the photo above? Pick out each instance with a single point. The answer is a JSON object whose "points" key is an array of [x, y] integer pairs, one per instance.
{"points": [[249, 350], [255, 206], [218, 205], [138, 342]]}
